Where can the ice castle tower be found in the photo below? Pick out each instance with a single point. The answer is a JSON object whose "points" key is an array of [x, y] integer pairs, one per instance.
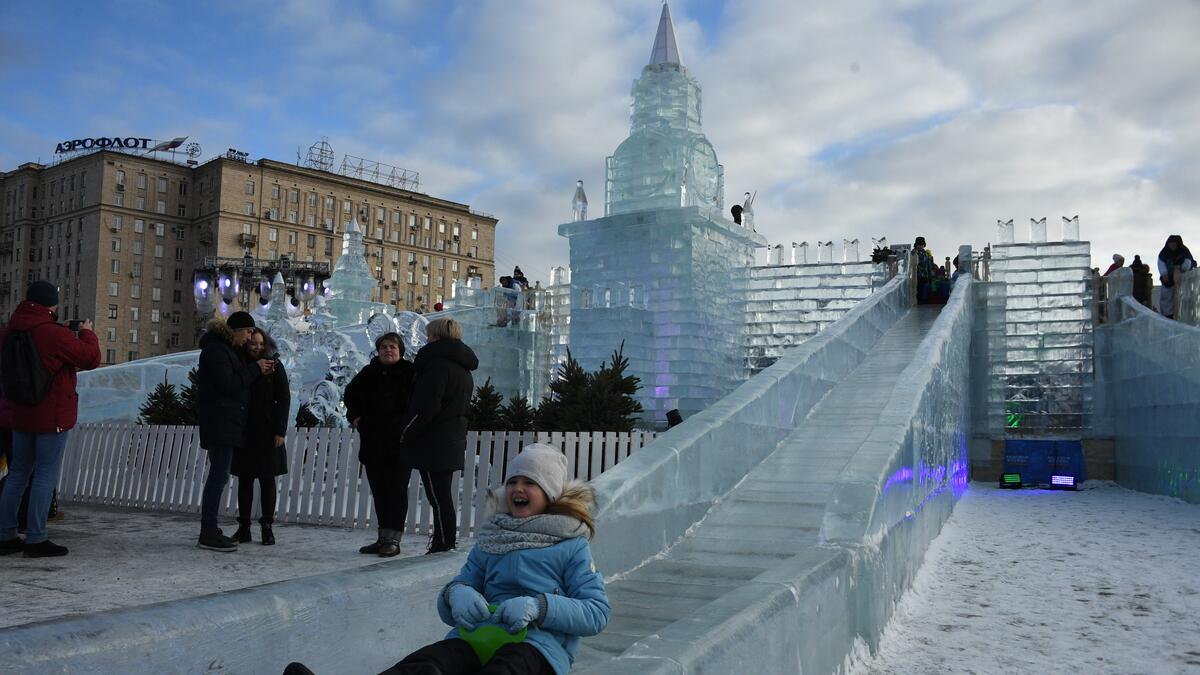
{"points": [[660, 270]]}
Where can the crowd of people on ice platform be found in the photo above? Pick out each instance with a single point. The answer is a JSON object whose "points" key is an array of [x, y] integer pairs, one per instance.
{"points": [[529, 576], [1173, 261]]}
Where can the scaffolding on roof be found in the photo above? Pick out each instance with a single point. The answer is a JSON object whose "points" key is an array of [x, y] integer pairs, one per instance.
{"points": [[377, 172]]}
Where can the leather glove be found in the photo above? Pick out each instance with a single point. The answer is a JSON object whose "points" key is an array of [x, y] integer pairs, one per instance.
{"points": [[467, 606], [517, 613]]}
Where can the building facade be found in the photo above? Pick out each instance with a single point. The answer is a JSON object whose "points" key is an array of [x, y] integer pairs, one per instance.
{"points": [[121, 235]]}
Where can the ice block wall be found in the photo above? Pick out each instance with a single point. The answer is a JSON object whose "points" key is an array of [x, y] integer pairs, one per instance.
{"points": [[788, 304], [510, 333], [1152, 368], [116, 393], [1040, 352], [666, 283]]}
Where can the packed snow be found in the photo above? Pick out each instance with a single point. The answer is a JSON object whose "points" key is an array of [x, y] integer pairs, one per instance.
{"points": [[1104, 580]]}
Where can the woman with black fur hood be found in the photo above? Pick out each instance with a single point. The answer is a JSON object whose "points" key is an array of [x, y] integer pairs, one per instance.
{"points": [[434, 436], [376, 400], [262, 456], [1173, 261]]}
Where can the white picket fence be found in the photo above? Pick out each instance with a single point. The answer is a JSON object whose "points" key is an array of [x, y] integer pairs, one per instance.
{"points": [[163, 467]]}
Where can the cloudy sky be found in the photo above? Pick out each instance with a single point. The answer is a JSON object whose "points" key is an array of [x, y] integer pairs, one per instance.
{"points": [[850, 119]]}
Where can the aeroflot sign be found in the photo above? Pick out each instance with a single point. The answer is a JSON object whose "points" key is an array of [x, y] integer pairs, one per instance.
{"points": [[130, 143]]}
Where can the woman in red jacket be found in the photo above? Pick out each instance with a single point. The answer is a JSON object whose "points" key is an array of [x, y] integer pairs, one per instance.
{"points": [[40, 429]]}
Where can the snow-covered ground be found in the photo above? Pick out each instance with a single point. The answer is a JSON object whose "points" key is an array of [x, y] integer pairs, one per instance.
{"points": [[1105, 580], [126, 557]]}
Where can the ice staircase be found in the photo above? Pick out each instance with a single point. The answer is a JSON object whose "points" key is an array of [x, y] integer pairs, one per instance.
{"points": [[775, 513]]}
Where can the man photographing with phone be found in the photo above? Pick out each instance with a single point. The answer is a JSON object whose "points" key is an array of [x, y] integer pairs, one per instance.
{"points": [[38, 361]]}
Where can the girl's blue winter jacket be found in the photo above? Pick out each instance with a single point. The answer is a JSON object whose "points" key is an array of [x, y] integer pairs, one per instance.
{"points": [[564, 574]]}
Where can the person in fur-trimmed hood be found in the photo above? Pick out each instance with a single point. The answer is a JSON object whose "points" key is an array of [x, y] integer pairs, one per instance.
{"points": [[533, 562], [223, 381]]}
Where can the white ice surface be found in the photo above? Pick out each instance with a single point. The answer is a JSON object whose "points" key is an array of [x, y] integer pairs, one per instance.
{"points": [[1105, 580]]}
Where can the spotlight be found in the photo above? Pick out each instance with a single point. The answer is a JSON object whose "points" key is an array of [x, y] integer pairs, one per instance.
{"points": [[1060, 482], [1011, 481]]}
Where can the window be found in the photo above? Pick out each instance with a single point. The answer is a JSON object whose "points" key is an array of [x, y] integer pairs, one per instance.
{"points": [[411, 277], [248, 208], [158, 271], [272, 234], [247, 228], [139, 226], [119, 199], [179, 253], [177, 297], [115, 244], [182, 188], [154, 315], [474, 251], [114, 289], [140, 204], [346, 207], [136, 270], [312, 241], [174, 340], [158, 250], [329, 203], [428, 222], [312, 220], [273, 213], [274, 192], [396, 217], [294, 196], [179, 232], [249, 187], [181, 211], [137, 246], [441, 227], [162, 184], [141, 181], [112, 311], [474, 234], [153, 337], [120, 178], [453, 265], [133, 355], [135, 313], [312, 199], [156, 294], [395, 256], [133, 336], [381, 215], [117, 223], [115, 266], [395, 275], [159, 229], [110, 356], [178, 274], [160, 207], [291, 236], [328, 246], [424, 279], [135, 292], [441, 281], [291, 216], [457, 227], [110, 334], [425, 261]]}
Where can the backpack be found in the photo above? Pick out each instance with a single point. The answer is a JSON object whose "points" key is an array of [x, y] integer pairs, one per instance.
{"points": [[23, 376]]}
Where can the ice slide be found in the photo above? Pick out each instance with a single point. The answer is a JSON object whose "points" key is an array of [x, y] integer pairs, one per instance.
{"points": [[769, 533]]}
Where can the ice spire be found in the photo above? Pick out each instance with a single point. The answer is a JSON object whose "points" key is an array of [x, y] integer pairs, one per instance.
{"points": [[579, 203], [665, 49]]}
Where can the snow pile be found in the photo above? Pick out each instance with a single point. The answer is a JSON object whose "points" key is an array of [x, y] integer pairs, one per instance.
{"points": [[1104, 580]]}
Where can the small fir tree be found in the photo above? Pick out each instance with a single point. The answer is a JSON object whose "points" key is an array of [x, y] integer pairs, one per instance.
{"points": [[517, 415], [162, 406], [611, 392], [187, 399], [564, 409], [483, 411]]}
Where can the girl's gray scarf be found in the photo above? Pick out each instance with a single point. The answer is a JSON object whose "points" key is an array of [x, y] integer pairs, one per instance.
{"points": [[503, 533]]}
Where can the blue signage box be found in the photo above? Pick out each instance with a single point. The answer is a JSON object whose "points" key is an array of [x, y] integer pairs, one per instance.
{"points": [[1037, 460]]}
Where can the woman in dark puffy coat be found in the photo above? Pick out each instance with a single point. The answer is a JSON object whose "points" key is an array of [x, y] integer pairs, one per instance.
{"points": [[434, 436], [261, 455], [375, 403]]}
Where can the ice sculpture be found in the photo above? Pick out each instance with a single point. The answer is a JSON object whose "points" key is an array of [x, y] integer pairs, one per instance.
{"points": [[579, 203], [1037, 230], [1070, 231], [351, 284], [658, 272], [1004, 231], [748, 211]]}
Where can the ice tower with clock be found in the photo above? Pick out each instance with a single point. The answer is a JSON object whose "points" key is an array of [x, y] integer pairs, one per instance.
{"points": [[661, 270]]}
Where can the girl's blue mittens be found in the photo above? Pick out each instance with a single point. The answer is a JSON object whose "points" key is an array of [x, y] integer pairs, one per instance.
{"points": [[517, 613], [467, 606]]}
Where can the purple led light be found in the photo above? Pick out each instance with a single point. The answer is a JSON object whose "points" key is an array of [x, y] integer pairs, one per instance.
{"points": [[1062, 480], [202, 285]]}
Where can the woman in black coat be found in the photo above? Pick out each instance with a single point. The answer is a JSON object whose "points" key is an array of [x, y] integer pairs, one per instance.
{"points": [[375, 403], [434, 437], [261, 455]]}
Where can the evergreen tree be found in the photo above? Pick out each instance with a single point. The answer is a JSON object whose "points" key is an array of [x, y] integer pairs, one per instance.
{"points": [[565, 409], [187, 399], [611, 391], [162, 406], [483, 411], [517, 415]]}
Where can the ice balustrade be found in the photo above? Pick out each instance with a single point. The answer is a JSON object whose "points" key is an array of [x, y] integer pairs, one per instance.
{"points": [[1151, 368], [1038, 311]]}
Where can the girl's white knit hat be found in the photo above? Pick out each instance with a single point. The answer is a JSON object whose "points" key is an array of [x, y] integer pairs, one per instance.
{"points": [[543, 464]]}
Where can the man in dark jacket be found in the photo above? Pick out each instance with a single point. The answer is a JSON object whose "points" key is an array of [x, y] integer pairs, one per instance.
{"points": [[434, 435], [223, 382], [40, 430]]}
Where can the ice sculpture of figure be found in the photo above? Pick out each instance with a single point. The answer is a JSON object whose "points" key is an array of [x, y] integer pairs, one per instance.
{"points": [[666, 234], [579, 203], [748, 211], [351, 283], [667, 161]]}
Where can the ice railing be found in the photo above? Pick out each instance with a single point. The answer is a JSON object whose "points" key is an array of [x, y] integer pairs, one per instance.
{"points": [[1152, 377], [649, 501]]}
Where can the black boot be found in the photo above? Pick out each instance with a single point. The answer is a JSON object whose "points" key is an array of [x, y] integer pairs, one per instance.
{"points": [[242, 536], [10, 546], [390, 545], [373, 548], [44, 549], [268, 536]]}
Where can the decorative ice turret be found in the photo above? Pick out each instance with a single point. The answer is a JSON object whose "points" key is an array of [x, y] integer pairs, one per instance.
{"points": [[659, 272], [579, 203], [351, 284], [666, 161]]}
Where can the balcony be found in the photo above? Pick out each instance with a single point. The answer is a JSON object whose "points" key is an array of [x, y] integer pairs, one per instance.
{"points": [[247, 240]]}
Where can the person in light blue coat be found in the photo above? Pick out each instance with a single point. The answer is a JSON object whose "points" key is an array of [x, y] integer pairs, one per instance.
{"points": [[532, 562]]}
